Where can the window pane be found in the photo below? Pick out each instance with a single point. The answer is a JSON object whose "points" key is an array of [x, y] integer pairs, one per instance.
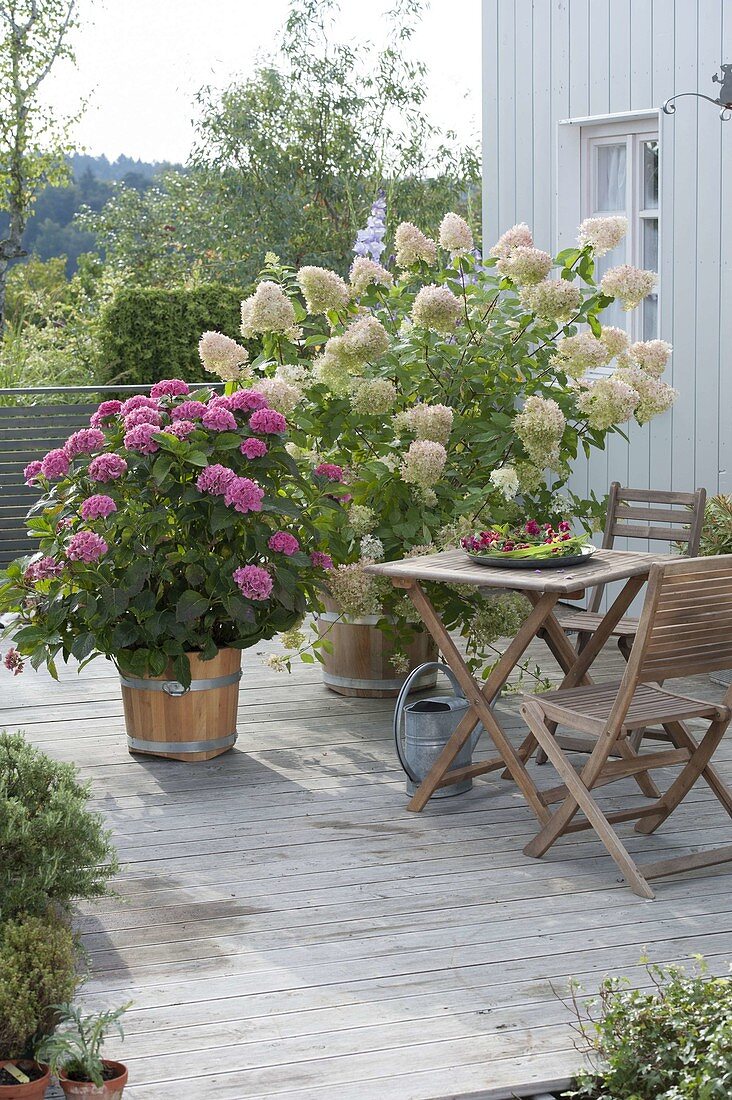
{"points": [[650, 262], [610, 178], [650, 317], [650, 175]]}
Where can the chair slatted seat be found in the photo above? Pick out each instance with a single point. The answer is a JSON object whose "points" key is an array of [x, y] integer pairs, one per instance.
{"points": [[685, 627]]}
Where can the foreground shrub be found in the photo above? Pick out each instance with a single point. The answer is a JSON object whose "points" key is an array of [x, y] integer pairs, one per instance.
{"points": [[146, 334], [53, 849], [37, 973], [671, 1043]]}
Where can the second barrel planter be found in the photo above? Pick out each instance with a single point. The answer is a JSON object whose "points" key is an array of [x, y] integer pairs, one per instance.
{"points": [[360, 662]]}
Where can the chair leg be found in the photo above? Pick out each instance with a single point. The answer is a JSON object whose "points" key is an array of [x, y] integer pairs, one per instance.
{"points": [[686, 779], [582, 800], [682, 739], [643, 779]]}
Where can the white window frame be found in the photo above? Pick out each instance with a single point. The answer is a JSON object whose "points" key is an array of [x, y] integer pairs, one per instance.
{"points": [[576, 140]]}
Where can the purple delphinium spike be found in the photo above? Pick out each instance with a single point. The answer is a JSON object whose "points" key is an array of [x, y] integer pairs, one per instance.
{"points": [[370, 241]]}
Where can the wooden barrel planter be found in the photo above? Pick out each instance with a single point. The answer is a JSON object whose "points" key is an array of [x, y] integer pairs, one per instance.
{"points": [[360, 662], [165, 719]]}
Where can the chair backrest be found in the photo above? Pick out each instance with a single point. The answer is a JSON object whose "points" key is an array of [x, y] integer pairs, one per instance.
{"points": [[652, 514], [686, 625]]}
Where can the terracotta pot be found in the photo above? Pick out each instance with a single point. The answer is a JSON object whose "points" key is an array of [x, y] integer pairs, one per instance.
{"points": [[34, 1090], [84, 1090], [198, 723], [360, 662]]}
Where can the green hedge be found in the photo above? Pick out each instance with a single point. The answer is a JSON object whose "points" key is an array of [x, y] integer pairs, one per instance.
{"points": [[151, 333]]}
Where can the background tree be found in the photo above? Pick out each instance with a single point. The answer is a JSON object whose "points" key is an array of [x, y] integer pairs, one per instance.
{"points": [[35, 35]]}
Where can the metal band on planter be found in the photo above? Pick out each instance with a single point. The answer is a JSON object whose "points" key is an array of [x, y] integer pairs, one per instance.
{"points": [[175, 689], [139, 744]]}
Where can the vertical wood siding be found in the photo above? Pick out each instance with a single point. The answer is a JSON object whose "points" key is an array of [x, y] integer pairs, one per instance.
{"points": [[548, 60]]}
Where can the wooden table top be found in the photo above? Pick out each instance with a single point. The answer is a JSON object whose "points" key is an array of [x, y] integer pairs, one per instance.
{"points": [[455, 567]]}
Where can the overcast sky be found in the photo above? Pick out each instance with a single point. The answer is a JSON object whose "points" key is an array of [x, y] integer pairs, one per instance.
{"points": [[139, 63]]}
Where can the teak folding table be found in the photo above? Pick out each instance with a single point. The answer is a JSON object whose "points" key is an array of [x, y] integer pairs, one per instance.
{"points": [[543, 588]]}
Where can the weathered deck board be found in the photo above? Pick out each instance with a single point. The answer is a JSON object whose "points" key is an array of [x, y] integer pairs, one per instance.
{"points": [[286, 929]]}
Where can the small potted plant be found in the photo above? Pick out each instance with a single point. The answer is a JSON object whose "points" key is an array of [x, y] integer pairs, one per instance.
{"points": [[23, 1079], [74, 1054]]}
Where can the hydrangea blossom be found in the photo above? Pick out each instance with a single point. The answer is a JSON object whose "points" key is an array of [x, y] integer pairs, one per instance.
{"points": [[607, 401], [282, 542], [650, 355], [97, 507], [42, 569], [437, 308], [105, 412], [373, 396], [540, 426], [222, 356], [213, 479], [656, 396], [323, 290], [616, 340], [188, 410], [268, 309], [142, 416], [412, 246], [253, 448], [330, 471], [525, 266], [423, 463], [84, 442], [320, 560], [244, 495], [181, 429], [31, 472], [602, 234], [86, 546], [630, 285], [371, 548], [254, 582], [455, 235], [430, 421], [107, 467], [578, 354], [141, 439], [364, 340], [552, 300], [518, 236], [55, 464], [247, 401], [281, 395], [139, 401], [171, 387], [365, 273], [219, 419], [361, 519], [506, 481], [370, 241], [267, 422]]}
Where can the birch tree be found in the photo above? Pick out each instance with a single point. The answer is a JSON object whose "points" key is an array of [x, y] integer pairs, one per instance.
{"points": [[34, 36]]}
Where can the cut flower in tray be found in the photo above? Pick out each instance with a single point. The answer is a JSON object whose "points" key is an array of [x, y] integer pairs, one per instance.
{"points": [[532, 540]]}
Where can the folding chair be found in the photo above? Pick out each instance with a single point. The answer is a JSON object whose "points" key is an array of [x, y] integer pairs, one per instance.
{"points": [[645, 521], [685, 629]]}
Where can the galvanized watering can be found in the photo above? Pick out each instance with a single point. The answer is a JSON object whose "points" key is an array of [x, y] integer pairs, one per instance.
{"points": [[428, 726]]}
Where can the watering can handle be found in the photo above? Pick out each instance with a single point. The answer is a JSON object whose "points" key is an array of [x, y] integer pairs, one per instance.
{"points": [[401, 702]]}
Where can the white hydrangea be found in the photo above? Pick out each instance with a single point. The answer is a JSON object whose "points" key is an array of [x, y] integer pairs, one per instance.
{"points": [[630, 285], [607, 401], [437, 308], [222, 356], [540, 426], [552, 300], [372, 548], [429, 421], [281, 395], [525, 266], [373, 396], [361, 518], [656, 396], [602, 234], [616, 340], [268, 309], [412, 246], [650, 355], [455, 235], [423, 463], [506, 481], [323, 290], [576, 355], [515, 237], [365, 273]]}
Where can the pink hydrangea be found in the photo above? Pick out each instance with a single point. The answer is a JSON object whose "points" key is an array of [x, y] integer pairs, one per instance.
{"points": [[244, 495], [247, 401], [254, 448], [142, 415], [169, 387], [181, 428], [141, 439], [188, 410], [106, 410], [219, 420], [283, 543], [214, 479], [107, 467], [329, 470], [14, 662], [97, 507], [267, 421], [321, 560], [254, 582], [31, 472], [84, 442], [139, 401], [42, 570], [86, 546], [55, 464], [220, 401]]}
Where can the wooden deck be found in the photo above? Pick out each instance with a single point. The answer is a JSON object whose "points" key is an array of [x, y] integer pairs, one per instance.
{"points": [[286, 929]]}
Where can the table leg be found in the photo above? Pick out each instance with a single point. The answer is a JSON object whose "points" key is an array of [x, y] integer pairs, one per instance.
{"points": [[479, 698]]}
